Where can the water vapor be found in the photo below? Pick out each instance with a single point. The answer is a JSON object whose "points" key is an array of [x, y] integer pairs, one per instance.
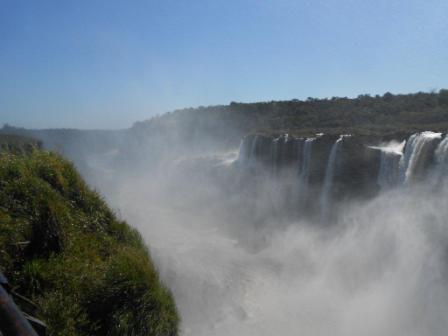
{"points": [[237, 268]]}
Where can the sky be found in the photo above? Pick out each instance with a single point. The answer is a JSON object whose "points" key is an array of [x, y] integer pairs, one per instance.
{"points": [[105, 64]]}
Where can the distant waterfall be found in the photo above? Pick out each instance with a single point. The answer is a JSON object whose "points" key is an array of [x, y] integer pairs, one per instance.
{"points": [[275, 154], [328, 181], [406, 159], [312, 177], [305, 164], [253, 150], [416, 148], [242, 151], [391, 155], [247, 148], [305, 171], [388, 174], [441, 159]]}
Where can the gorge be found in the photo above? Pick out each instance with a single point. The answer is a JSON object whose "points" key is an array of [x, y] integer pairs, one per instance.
{"points": [[244, 243], [335, 231]]}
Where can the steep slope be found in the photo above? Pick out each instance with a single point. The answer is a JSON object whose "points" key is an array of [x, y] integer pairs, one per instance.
{"points": [[61, 246]]}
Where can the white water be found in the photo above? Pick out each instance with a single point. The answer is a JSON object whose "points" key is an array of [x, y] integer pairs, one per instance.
{"points": [[253, 150], [242, 150], [441, 158], [415, 147], [305, 170], [391, 154], [381, 271], [247, 150], [328, 181], [306, 159]]}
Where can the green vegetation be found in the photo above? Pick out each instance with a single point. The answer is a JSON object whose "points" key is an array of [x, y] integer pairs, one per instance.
{"points": [[61, 246], [365, 115], [18, 144], [388, 115]]}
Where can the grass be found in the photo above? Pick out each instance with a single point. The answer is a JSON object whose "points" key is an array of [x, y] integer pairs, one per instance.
{"points": [[61, 246]]}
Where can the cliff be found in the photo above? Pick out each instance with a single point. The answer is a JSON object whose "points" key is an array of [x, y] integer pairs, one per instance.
{"points": [[325, 170]]}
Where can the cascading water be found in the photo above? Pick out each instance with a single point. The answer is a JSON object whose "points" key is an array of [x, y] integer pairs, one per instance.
{"points": [[398, 163], [328, 181], [440, 168], [391, 155], [305, 170], [441, 157], [274, 154], [405, 160], [247, 149], [415, 153], [306, 158], [242, 151], [233, 274], [253, 150]]}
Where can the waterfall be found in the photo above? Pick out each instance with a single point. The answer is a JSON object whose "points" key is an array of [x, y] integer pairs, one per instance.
{"points": [[274, 154], [305, 164], [328, 181], [242, 151], [441, 159], [247, 148], [388, 174], [253, 150], [405, 160], [305, 171], [391, 155], [415, 154]]}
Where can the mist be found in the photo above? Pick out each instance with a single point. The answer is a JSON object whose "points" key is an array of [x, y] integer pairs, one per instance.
{"points": [[281, 235], [292, 177], [238, 263]]}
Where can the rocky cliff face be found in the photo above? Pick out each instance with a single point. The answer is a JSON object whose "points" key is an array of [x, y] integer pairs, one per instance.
{"points": [[331, 169]]}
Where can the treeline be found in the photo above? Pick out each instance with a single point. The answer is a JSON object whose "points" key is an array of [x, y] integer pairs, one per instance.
{"points": [[366, 115], [387, 115]]}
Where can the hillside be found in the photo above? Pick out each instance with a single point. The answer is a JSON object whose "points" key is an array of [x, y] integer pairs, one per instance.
{"points": [[364, 115], [61, 246], [224, 125], [221, 128]]}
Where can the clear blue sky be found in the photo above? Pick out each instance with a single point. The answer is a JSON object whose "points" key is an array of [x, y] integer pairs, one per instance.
{"points": [[106, 64]]}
